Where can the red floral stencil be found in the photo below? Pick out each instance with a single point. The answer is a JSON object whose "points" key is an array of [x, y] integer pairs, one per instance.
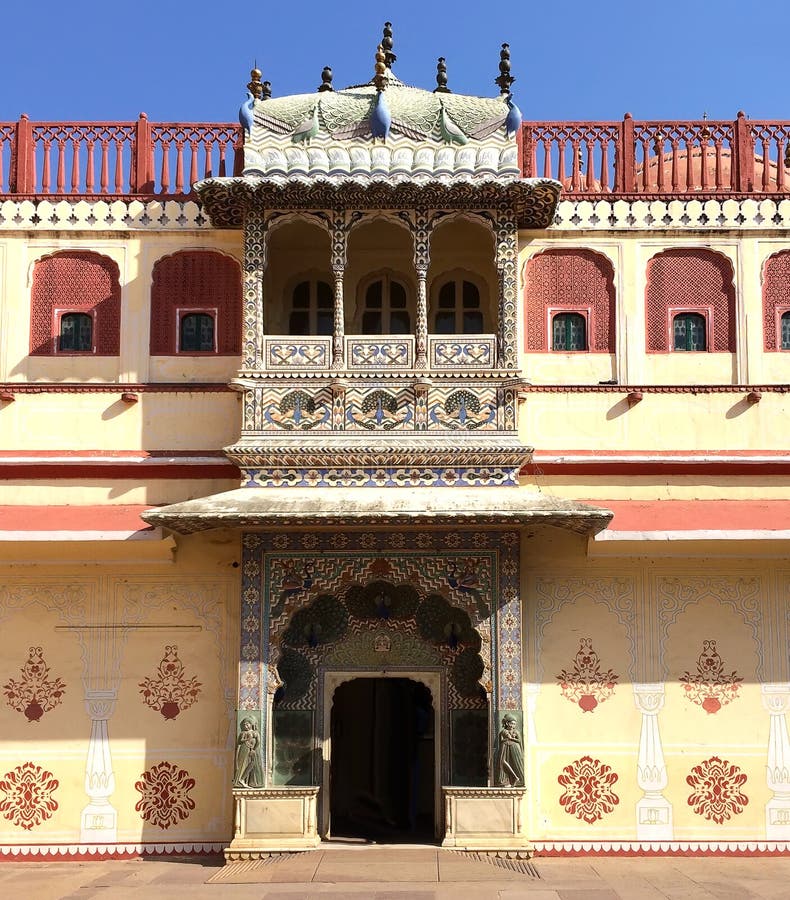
{"points": [[34, 693], [588, 791], [28, 797], [586, 684], [170, 692], [711, 688], [716, 789], [164, 790]]}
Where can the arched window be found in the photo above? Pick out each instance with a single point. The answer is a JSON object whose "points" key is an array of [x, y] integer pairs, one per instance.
{"points": [[683, 281], [566, 281], [75, 305], [785, 323], [776, 301], [75, 333], [312, 304], [688, 332], [458, 308], [196, 333], [189, 287], [385, 309], [568, 332]]}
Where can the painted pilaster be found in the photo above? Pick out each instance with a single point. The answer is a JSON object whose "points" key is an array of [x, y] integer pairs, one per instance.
{"points": [[776, 699], [507, 271], [653, 811], [339, 236], [422, 259], [99, 820], [254, 269]]}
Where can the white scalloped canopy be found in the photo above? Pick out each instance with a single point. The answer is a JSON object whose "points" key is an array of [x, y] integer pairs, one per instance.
{"points": [[431, 135]]}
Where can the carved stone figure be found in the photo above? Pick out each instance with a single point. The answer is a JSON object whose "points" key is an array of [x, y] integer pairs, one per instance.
{"points": [[509, 768], [249, 766]]}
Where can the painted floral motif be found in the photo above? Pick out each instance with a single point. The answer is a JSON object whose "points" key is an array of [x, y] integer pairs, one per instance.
{"points": [[34, 693], [588, 791], [165, 799], [586, 684], [170, 692], [716, 789], [711, 687], [28, 797]]}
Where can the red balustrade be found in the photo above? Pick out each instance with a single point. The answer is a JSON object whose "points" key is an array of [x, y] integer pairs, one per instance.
{"points": [[635, 158], [627, 158], [119, 159]]}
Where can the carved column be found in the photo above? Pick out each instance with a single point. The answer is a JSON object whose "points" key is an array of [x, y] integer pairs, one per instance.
{"points": [[776, 699], [339, 235], [98, 821], [653, 811], [422, 227], [507, 271], [255, 226]]}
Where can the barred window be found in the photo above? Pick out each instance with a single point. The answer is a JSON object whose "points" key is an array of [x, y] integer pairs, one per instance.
{"points": [[688, 332], [786, 330], [196, 333], [76, 333], [569, 332]]}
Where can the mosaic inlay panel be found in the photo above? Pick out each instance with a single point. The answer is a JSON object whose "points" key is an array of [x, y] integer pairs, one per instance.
{"points": [[283, 574]]}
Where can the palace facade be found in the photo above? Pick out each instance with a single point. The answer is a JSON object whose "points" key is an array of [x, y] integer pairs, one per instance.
{"points": [[389, 467]]}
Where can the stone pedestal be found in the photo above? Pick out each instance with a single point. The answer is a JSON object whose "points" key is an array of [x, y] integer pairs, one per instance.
{"points": [[653, 810], [273, 820], [485, 819], [98, 820], [776, 699]]}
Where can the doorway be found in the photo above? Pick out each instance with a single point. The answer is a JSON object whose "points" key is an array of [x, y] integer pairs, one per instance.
{"points": [[382, 773]]}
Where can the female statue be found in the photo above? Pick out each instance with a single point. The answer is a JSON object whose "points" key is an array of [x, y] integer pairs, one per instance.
{"points": [[249, 768], [510, 755]]}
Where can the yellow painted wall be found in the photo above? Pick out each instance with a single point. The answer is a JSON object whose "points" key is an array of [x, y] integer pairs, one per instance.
{"points": [[629, 253], [647, 620], [105, 628]]}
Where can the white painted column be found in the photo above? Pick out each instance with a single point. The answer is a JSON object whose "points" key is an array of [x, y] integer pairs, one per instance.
{"points": [[776, 699], [99, 820], [653, 811]]}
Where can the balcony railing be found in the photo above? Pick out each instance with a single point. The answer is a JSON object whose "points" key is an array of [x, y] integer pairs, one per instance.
{"points": [[365, 353], [627, 158]]}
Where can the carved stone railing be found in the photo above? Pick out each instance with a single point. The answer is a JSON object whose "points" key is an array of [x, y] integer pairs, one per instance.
{"points": [[609, 159], [120, 159], [464, 351], [391, 353]]}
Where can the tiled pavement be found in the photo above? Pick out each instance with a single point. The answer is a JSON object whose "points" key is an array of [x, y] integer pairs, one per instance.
{"points": [[393, 873]]}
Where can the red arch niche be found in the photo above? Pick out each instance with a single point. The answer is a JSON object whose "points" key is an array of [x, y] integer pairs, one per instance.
{"points": [[776, 296], [693, 279], [75, 281], [571, 279], [196, 280]]}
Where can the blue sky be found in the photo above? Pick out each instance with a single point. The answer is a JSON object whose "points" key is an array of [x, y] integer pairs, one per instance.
{"points": [[89, 60]]}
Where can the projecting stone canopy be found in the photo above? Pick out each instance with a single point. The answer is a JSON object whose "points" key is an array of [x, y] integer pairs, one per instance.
{"points": [[253, 508], [531, 201]]}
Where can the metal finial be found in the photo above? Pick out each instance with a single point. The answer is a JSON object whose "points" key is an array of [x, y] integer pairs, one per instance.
{"points": [[267, 90], [380, 77], [441, 77], [326, 80], [386, 43], [505, 79], [255, 87]]}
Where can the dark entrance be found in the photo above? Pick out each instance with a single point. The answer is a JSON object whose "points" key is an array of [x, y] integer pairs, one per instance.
{"points": [[382, 771]]}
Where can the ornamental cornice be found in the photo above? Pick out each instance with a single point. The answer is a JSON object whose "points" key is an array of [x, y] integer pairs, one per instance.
{"points": [[531, 202]]}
